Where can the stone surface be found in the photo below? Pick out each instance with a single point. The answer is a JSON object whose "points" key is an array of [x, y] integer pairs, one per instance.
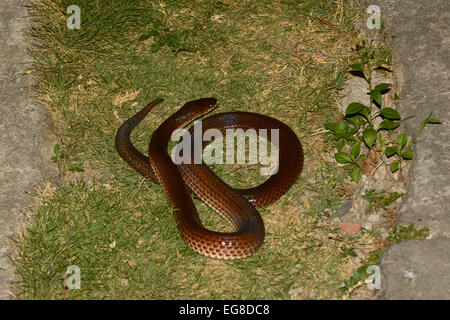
{"points": [[356, 90], [345, 208], [26, 138], [418, 34], [349, 227], [407, 272], [421, 42]]}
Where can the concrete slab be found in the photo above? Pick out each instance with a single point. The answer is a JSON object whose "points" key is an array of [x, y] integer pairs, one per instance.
{"points": [[26, 136], [419, 35], [406, 270]]}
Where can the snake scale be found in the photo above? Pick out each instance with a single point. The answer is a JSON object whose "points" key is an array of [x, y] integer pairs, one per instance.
{"points": [[237, 206]]}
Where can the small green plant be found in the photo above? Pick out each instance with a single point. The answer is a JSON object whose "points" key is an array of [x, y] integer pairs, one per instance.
{"points": [[379, 199], [163, 36], [360, 276], [402, 233], [346, 251], [60, 155], [357, 128], [428, 120], [389, 199]]}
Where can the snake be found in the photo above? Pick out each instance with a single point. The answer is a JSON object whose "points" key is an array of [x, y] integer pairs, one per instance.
{"points": [[179, 181]]}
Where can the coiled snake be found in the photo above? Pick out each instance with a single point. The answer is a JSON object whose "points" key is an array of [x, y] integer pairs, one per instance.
{"points": [[235, 205]]}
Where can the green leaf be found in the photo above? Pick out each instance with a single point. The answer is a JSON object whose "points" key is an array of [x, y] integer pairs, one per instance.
{"points": [[356, 148], [340, 144], [332, 126], [408, 155], [381, 139], [74, 168], [343, 157], [349, 135], [56, 149], [376, 96], [424, 122], [144, 36], [348, 167], [365, 112], [369, 136], [354, 108], [362, 158], [147, 35], [390, 151], [172, 40], [355, 120], [157, 38], [356, 174], [382, 86], [387, 124], [394, 166], [429, 120], [155, 47], [381, 63], [389, 113], [391, 198], [357, 67], [402, 139], [184, 35], [349, 251]]}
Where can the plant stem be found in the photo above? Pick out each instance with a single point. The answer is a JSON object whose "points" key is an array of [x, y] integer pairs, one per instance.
{"points": [[369, 80]]}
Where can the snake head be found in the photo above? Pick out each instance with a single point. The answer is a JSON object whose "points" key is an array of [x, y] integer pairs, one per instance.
{"points": [[194, 109], [201, 106]]}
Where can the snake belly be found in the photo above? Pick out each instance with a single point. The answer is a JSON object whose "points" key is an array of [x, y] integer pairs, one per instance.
{"points": [[237, 206]]}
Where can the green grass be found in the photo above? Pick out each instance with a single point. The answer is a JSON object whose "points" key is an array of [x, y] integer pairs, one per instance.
{"points": [[270, 57]]}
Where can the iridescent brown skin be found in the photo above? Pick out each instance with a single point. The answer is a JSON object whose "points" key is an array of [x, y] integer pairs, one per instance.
{"points": [[235, 205]]}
